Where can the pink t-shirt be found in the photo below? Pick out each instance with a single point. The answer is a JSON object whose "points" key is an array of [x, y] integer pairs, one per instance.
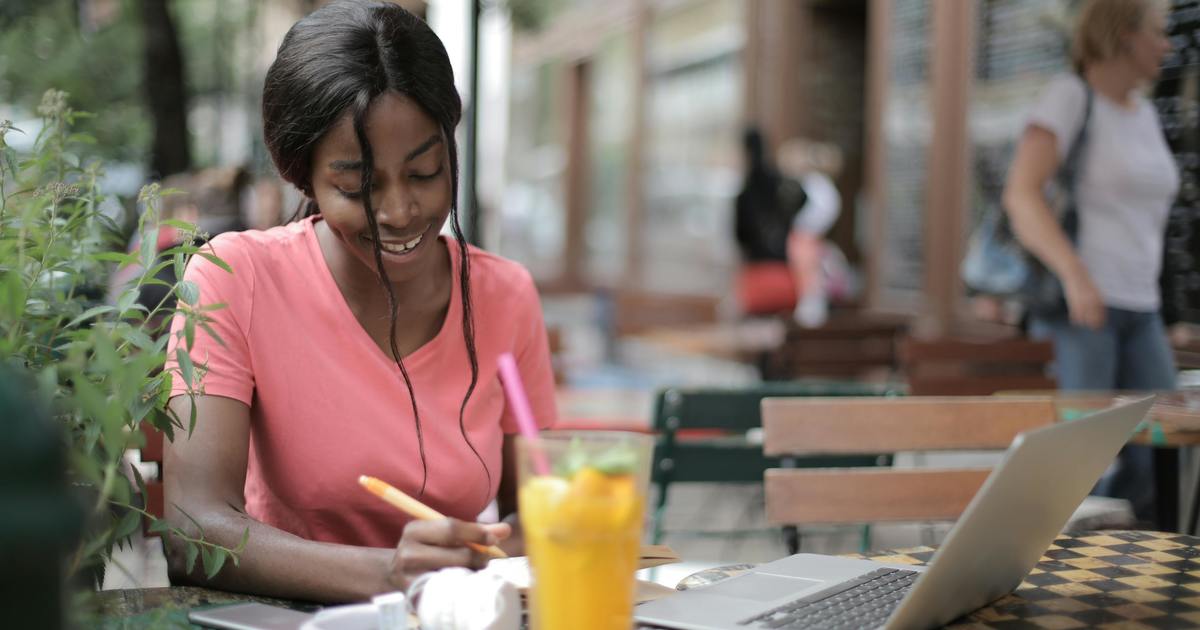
{"points": [[326, 403]]}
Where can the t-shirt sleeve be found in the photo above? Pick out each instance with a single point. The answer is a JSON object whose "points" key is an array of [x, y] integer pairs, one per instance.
{"points": [[1059, 110], [222, 363], [531, 348], [822, 207]]}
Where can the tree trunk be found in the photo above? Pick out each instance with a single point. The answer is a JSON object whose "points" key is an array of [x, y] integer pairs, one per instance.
{"points": [[165, 93]]}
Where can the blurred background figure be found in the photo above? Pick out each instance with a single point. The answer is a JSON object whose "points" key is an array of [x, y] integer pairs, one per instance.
{"points": [[813, 260], [1112, 336], [263, 207], [764, 212]]}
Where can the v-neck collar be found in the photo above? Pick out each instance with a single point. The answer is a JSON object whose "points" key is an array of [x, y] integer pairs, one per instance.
{"points": [[345, 315]]}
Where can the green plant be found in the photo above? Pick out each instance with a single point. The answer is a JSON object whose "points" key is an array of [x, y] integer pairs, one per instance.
{"points": [[98, 365]]}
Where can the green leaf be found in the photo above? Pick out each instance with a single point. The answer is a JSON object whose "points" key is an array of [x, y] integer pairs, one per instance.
{"points": [[14, 295], [120, 488], [140, 339], [189, 332], [180, 261], [149, 247], [159, 526], [242, 545], [188, 291], [192, 550], [186, 369], [214, 559], [176, 223], [212, 333], [90, 313], [121, 258], [212, 258], [129, 524], [126, 301], [141, 482]]}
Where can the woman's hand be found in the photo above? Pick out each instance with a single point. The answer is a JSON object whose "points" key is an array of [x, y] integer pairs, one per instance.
{"points": [[1083, 301], [431, 545]]}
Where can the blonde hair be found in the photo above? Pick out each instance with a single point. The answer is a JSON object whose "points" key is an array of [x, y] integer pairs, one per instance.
{"points": [[1102, 26]]}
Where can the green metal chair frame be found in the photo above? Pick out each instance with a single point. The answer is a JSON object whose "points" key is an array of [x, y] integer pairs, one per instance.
{"points": [[722, 452]]}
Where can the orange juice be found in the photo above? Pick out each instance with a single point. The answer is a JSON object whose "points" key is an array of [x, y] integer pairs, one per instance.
{"points": [[583, 536]]}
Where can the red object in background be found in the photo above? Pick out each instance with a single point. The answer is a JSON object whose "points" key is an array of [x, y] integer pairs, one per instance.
{"points": [[766, 288], [153, 452]]}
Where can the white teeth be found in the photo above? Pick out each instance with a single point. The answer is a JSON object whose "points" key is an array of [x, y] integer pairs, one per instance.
{"points": [[402, 247]]}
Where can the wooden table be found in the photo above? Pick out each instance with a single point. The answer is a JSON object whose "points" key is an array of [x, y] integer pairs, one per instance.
{"points": [[1129, 579], [168, 607], [1136, 580], [1172, 424]]}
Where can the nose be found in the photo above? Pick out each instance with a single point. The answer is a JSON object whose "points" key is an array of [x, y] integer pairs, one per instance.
{"points": [[397, 208]]}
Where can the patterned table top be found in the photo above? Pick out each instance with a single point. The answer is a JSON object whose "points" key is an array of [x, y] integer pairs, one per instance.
{"points": [[1114, 579]]}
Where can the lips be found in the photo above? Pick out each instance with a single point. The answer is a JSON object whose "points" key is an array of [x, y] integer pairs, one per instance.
{"points": [[400, 246]]}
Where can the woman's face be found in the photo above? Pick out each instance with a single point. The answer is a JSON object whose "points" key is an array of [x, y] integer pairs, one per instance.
{"points": [[411, 193], [1148, 46]]}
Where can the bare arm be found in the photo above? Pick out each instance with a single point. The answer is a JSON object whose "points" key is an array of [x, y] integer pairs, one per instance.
{"points": [[1037, 228], [506, 498], [205, 476]]}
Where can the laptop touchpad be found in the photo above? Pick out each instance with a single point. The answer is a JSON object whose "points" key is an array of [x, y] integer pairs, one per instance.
{"points": [[761, 587]]}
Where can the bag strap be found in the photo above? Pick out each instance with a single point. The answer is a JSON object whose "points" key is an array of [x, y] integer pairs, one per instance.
{"points": [[1068, 173]]}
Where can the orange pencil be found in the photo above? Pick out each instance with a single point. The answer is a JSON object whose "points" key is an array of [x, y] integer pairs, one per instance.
{"points": [[416, 509]]}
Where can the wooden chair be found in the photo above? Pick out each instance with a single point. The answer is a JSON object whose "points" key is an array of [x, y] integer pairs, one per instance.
{"points": [[848, 426], [956, 367], [851, 345], [152, 452], [636, 312], [704, 436]]}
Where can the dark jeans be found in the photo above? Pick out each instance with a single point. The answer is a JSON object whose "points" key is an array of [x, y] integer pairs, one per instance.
{"points": [[1130, 352]]}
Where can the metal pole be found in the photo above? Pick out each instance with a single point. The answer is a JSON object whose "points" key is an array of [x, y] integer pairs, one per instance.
{"points": [[470, 196]]}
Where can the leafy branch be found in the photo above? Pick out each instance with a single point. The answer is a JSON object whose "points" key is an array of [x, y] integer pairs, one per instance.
{"points": [[98, 352]]}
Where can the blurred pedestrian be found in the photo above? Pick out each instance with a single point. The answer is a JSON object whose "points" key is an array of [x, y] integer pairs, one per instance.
{"points": [[813, 165], [765, 210], [1112, 336]]}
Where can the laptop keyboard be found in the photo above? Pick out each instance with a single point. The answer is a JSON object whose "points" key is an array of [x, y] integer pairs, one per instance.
{"points": [[864, 602]]}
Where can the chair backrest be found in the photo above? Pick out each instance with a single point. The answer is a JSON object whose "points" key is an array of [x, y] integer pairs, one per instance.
{"points": [[958, 367], [708, 434], [152, 452], [844, 426], [853, 346], [636, 312]]}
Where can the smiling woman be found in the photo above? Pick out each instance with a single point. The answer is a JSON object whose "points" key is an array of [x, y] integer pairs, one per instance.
{"points": [[357, 340]]}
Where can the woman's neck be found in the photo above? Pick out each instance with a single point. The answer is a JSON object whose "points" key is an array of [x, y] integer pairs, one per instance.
{"points": [[361, 288], [1114, 79]]}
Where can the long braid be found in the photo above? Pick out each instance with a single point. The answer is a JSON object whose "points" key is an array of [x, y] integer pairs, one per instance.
{"points": [[368, 169], [468, 315]]}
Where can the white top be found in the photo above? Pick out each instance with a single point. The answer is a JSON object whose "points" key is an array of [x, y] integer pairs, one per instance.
{"points": [[1127, 183], [821, 208]]}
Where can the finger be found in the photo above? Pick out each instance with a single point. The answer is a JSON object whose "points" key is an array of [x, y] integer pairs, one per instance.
{"points": [[499, 531], [417, 558], [448, 532]]}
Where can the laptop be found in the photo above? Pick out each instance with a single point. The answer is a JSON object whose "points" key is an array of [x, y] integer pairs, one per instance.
{"points": [[1008, 525]]}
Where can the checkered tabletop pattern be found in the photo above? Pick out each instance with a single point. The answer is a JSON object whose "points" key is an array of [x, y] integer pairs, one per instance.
{"points": [[1112, 579]]}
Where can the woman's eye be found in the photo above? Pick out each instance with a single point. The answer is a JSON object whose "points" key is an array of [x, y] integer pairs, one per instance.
{"points": [[350, 194], [424, 177]]}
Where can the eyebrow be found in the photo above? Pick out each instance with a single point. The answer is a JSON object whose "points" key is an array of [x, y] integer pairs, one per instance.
{"points": [[354, 165]]}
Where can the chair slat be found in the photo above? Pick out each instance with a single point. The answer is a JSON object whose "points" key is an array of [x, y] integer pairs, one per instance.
{"points": [[821, 496], [804, 426], [976, 384], [952, 350]]}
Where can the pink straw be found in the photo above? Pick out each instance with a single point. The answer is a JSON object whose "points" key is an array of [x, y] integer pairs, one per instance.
{"points": [[514, 391]]}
